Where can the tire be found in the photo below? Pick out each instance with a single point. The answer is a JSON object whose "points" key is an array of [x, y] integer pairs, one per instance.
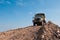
{"points": [[34, 24], [44, 21]]}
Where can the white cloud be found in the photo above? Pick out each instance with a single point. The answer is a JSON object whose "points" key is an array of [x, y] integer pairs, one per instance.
{"points": [[2, 1], [19, 3], [30, 13], [8, 2]]}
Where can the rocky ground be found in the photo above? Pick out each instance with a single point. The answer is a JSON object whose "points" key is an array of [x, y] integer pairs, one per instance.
{"points": [[49, 31]]}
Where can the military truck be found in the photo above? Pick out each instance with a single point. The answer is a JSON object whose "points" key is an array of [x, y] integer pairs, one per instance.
{"points": [[39, 19]]}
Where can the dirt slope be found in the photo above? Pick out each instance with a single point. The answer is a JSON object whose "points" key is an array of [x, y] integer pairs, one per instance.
{"points": [[50, 31]]}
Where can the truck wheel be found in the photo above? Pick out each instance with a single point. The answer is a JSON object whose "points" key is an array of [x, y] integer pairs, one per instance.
{"points": [[44, 21], [33, 24]]}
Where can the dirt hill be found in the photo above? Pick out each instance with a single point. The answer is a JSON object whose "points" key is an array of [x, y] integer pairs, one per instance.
{"points": [[49, 31]]}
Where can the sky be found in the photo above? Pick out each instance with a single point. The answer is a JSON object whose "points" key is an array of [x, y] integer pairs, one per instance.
{"points": [[19, 13]]}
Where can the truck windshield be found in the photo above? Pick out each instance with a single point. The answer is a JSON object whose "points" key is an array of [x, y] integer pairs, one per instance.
{"points": [[39, 16]]}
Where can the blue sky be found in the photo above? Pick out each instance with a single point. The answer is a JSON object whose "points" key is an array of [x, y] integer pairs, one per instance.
{"points": [[19, 13]]}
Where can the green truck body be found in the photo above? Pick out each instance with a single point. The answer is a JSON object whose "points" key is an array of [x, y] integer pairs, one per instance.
{"points": [[38, 19]]}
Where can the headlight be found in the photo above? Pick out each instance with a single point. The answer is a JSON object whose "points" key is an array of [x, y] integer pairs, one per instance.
{"points": [[41, 18]]}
